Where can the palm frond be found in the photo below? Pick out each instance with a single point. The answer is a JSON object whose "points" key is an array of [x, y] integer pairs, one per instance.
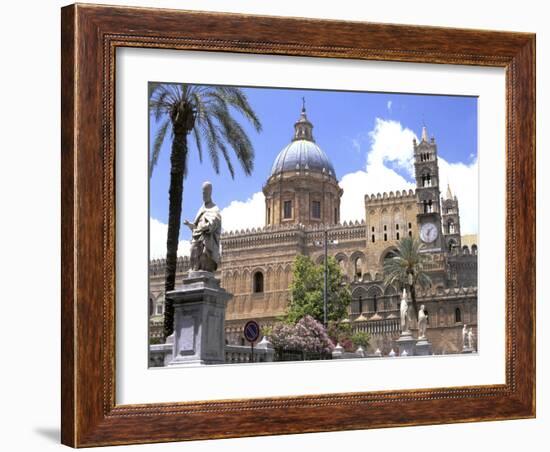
{"points": [[237, 99], [212, 140], [235, 135]]}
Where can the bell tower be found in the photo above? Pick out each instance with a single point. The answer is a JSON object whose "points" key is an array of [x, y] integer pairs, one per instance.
{"points": [[451, 221], [426, 171]]}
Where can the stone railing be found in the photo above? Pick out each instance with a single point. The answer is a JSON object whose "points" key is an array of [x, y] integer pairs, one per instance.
{"points": [[160, 355], [237, 354], [374, 327]]}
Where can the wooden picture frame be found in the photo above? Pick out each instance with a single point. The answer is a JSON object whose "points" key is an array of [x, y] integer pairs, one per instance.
{"points": [[90, 36]]}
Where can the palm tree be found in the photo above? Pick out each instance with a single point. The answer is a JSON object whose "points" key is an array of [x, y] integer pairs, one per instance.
{"points": [[407, 268], [208, 113]]}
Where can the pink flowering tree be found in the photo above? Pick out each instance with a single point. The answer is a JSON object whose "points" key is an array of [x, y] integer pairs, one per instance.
{"points": [[307, 335]]}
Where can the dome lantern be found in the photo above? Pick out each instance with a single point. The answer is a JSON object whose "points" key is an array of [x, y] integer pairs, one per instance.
{"points": [[302, 153], [303, 129]]}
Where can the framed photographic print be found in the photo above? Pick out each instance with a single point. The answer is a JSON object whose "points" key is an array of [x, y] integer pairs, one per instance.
{"points": [[282, 225]]}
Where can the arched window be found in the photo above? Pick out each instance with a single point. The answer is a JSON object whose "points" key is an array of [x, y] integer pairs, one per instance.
{"points": [[358, 268], [258, 282], [458, 315], [474, 250]]}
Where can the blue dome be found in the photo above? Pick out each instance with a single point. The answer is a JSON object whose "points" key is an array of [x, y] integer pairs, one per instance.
{"points": [[302, 155]]}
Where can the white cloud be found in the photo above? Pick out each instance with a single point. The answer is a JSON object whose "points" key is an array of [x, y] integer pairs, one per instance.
{"points": [[463, 180], [391, 149], [158, 232], [244, 214], [391, 143], [388, 105]]}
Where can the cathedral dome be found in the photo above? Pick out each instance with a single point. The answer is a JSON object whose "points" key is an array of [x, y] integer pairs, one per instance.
{"points": [[302, 153]]}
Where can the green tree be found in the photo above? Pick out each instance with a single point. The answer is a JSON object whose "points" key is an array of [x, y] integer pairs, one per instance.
{"points": [[306, 291], [407, 268], [360, 339], [207, 112]]}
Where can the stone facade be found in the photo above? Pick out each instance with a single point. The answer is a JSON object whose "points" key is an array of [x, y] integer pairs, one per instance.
{"points": [[257, 264]]}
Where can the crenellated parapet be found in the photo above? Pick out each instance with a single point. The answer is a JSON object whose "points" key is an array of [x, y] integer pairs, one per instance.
{"points": [[157, 266], [381, 198]]}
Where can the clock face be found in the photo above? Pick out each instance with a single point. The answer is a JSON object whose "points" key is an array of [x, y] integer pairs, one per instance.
{"points": [[428, 232]]}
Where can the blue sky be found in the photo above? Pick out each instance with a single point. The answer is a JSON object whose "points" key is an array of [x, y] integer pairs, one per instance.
{"points": [[367, 136]]}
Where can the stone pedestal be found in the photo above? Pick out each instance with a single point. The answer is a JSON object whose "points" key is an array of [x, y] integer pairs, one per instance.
{"points": [[406, 343], [199, 320], [423, 347]]}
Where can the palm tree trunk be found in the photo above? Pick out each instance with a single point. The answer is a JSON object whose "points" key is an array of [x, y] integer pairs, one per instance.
{"points": [[178, 160], [413, 299]]}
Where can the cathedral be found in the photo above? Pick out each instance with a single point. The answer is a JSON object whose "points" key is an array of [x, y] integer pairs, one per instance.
{"points": [[302, 204]]}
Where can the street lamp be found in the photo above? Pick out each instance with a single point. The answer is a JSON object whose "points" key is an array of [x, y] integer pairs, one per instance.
{"points": [[325, 243]]}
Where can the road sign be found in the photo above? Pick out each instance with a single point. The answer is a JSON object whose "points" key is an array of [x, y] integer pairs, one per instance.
{"points": [[251, 331]]}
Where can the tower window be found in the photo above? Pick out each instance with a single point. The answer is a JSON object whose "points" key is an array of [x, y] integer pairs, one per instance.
{"points": [[451, 227], [336, 215], [269, 215], [385, 228], [258, 282], [397, 227], [428, 206], [287, 209], [316, 209], [385, 237], [427, 180], [375, 303], [360, 305], [372, 238], [397, 236], [372, 229], [410, 225], [410, 234]]}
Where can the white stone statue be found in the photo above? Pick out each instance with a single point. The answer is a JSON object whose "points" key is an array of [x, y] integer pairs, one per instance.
{"points": [[422, 322], [205, 232], [470, 338], [465, 336], [404, 312]]}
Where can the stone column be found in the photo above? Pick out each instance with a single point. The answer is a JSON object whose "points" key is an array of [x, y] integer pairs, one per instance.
{"points": [[199, 320]]}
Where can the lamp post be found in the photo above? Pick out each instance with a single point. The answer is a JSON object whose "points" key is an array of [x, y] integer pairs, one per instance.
{"points": [[325, 243]]}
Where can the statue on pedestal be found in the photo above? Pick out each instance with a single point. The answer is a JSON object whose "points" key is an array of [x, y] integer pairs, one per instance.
{"points": [[206, 231], [470, 338], [422, 322], [465, 336]]}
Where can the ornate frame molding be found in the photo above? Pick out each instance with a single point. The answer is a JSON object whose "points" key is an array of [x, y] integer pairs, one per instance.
{"points": [[90, 37]]}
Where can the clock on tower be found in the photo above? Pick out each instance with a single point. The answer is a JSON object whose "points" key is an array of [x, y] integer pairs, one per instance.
{"points": [[427, 191]]}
